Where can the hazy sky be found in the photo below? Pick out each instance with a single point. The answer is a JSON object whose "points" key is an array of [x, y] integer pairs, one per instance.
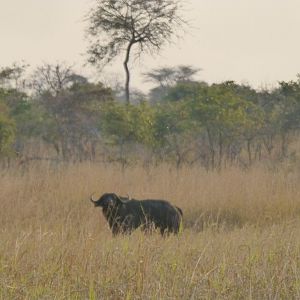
{"points": [[254, 41]]}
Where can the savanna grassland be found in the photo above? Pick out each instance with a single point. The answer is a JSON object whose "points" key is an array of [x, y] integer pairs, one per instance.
{"points": [[241, 235]]}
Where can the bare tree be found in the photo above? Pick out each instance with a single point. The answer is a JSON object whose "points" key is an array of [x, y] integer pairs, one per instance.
{"points": [[115, 26], [52, 78]]}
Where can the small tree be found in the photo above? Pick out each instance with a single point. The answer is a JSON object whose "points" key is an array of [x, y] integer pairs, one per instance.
{"points": [[117, 25], [125, 126], [7, 131], [12, 77]]}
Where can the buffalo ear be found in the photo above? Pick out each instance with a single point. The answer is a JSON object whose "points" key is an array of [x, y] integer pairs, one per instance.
{"points": [[118, 199]]}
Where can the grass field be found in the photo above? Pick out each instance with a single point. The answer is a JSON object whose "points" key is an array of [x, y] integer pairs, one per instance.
{"points": [[241, 237]]}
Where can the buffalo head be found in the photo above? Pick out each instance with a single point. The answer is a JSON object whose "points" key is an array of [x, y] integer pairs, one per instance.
{"points": [[107, 200]]}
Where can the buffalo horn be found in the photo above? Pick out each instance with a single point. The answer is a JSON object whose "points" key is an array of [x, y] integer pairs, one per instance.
{"points": [[92, 199]]}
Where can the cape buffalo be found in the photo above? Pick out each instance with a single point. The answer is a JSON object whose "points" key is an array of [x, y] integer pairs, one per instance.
{"points": [[124, 214]]}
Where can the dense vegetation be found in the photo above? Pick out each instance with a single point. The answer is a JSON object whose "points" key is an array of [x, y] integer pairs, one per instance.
{"points": [[56, 114]]}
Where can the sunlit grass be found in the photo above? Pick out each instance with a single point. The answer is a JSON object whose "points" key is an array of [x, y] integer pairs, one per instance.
{"points": [[241, 235]]}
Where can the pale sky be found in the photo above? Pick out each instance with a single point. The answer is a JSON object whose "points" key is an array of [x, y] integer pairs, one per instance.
{"points": [[254, 41]]}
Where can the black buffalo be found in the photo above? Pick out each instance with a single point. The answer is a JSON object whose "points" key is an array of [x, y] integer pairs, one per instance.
{"points": [[124, 214]]}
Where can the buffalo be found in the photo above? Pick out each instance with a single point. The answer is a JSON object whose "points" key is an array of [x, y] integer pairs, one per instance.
{"points": [[125, 215]]}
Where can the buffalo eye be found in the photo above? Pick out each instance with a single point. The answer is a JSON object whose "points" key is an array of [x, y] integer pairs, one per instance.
{"points": [[110, 202]]}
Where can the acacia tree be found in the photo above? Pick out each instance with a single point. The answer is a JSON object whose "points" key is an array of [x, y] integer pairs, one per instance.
{"points": [[168, 76], [115, 26]]}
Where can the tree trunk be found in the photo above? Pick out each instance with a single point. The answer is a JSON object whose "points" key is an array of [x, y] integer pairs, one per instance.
{"points": [[127, 80], [268, 143], [249, 152], [221, 146], [211, 148], [284, 145]]}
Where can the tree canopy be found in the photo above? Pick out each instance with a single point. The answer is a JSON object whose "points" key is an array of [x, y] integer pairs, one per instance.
{"points": [[116, 26], [62, 115]]}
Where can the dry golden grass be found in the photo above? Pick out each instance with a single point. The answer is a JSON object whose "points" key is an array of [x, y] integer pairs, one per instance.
{"points": [[241, 238]]}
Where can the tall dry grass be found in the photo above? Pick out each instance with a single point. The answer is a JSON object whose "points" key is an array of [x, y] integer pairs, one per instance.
{"points": [[241, 236]]}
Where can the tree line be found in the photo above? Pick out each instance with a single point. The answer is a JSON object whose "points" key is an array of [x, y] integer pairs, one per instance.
{"points": [[57, 114]]}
